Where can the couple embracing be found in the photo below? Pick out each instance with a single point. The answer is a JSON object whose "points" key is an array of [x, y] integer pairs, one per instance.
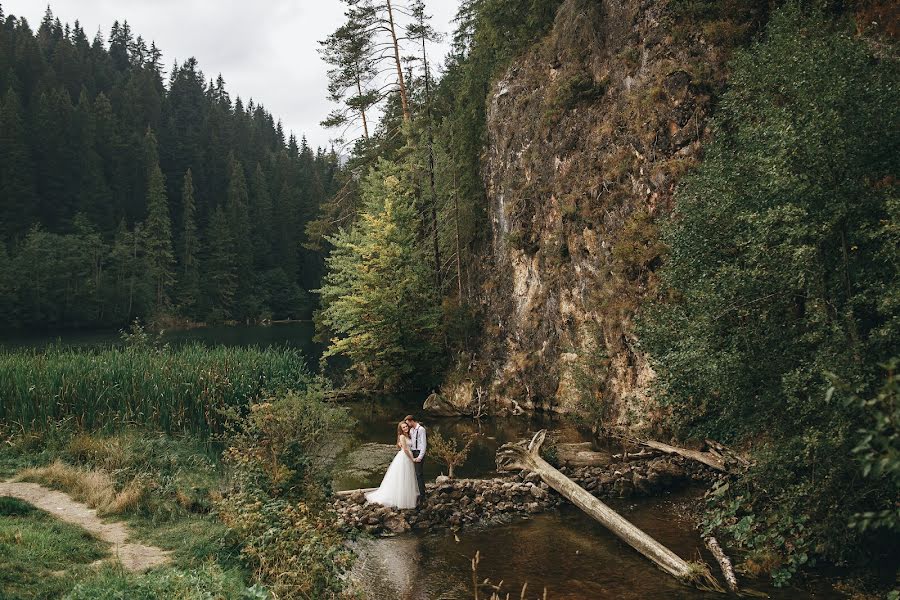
{"points": [[403, 485]]}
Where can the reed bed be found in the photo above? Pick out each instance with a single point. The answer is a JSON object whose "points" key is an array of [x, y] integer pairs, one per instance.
{"points": [[169, 389]]}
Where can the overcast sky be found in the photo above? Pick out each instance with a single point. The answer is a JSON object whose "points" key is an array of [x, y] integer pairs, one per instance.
{"points": [[265, 50]]}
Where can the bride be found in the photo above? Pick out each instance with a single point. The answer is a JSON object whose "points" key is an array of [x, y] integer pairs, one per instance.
{"points": [[398, 488]]}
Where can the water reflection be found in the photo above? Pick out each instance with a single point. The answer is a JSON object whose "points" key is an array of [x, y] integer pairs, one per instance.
{"points": [[572, 556]]}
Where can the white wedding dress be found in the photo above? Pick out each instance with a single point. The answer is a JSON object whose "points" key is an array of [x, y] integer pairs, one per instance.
{"points": [[398, 488]]}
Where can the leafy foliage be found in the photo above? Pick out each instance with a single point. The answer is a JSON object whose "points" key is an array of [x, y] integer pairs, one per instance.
{"points": [[378, 306], [275, 511], [879, 449], [784, 266], [448, 451]]}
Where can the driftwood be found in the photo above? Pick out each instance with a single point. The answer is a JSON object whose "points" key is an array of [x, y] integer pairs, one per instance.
{"points": [[724, 563], [644, 453], [527, 458], [346, 493], [727, 454], [707, 458], [581, 455]]}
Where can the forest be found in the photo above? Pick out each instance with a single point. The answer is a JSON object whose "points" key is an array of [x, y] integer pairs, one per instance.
{"points": [[125, 196]]}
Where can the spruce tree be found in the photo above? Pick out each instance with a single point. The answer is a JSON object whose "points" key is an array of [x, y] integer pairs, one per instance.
{"points": [[238, 214], [189, 280], [157, 233], [221, 274], [18, 202], [378, 307], [94, 197], [261, 215]]}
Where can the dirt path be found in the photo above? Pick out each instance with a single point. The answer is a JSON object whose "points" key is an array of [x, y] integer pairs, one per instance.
{"points": [[134, 557]]}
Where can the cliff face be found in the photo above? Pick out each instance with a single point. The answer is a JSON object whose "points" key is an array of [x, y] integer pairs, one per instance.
{"points": [[589, 133]]}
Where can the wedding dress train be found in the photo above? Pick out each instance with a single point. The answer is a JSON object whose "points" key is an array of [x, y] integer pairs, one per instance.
{"points": [[398, 488]]}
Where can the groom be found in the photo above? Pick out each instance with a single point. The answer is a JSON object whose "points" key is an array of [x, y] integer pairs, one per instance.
{"points": [[419, 443]]}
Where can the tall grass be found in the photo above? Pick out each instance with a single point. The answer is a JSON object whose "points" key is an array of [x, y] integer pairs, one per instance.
{"points": [[181, 389]]}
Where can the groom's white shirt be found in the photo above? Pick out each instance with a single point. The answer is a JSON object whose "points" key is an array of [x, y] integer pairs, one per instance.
{"points": [[419, 440]]}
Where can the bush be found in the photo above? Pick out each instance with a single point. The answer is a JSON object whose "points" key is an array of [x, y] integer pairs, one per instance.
{"points": [[783, 268], [276, 509], [448, 451]]}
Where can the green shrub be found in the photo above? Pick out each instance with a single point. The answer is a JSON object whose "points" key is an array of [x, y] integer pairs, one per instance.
{"points": [[276, 511], [783, 267]]}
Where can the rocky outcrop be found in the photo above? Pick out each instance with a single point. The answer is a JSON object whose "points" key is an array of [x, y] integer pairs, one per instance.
{"points": [[589, 133]]}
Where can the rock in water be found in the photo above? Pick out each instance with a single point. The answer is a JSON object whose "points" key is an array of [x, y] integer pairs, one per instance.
{"points": [[397, 524]]}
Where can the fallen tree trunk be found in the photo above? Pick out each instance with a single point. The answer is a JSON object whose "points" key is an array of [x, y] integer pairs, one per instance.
{"points": [[707, 458], [644, 453], [581, 455], [724, 563], [527, 458], [345, 493]]}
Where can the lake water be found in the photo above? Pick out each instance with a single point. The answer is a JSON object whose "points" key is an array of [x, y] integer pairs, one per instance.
{"points": [[567, 553]]}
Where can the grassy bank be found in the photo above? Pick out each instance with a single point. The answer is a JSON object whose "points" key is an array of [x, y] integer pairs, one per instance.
{"points": [[173, 390], [243, 518]]}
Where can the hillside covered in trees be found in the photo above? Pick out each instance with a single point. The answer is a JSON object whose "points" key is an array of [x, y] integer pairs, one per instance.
{"points": [[126, 192], [672, 218]]}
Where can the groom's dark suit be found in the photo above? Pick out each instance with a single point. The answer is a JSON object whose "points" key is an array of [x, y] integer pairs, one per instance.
{"points": [[418, 447]]}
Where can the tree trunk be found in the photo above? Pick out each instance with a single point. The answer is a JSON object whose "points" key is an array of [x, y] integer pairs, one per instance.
{"points": [[707, 458], [401, 83], [724, 563], [519, 456], [581, 455], [362, 111], [434, 220], [458, 255]]}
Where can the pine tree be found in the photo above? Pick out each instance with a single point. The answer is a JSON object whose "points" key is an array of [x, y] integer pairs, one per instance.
{"points": [[378, 308], [18, 202], [157, 233], [349, 52], [370, 42], [221, 274], [422, 31], [189, 281]]}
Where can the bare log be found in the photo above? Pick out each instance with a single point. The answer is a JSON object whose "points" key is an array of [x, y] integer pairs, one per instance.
{"points": [[527, 458], [645, 453], [706, 458], [724, 563], [346, 493], [581, 455]]}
